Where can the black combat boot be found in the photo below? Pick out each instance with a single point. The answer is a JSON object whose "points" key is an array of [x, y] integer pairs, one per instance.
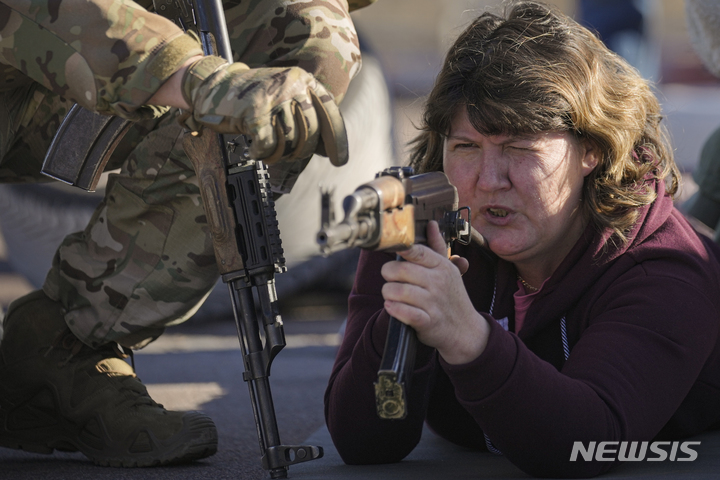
{"points": [[56, 393]]}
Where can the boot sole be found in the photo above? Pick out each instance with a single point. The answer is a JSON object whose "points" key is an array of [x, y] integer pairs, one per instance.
{"points": [[196, 440]]}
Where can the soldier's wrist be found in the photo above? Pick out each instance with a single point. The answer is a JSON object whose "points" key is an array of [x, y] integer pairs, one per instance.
{"points": [[170, 93], [196, 74]]}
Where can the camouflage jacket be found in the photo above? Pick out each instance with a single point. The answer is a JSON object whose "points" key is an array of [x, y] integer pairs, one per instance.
{"points": [[111, 56]]}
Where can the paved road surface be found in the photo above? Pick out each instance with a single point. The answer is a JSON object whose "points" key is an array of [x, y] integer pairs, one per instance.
{"points": [[198, 366], [207, 375]]}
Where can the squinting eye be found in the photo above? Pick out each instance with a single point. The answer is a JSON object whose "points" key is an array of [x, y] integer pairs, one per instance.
{"points": [[464, 145], [521, 150]]}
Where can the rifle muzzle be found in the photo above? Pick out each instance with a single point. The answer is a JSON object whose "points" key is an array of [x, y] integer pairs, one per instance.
{"points": [[357, 229]]}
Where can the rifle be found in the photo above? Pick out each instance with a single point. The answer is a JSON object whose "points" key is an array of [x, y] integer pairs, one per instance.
{"points": [[391, 213], [241, 215]]}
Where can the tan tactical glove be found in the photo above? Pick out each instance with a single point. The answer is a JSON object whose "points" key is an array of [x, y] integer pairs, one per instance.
{"points": [[285, 112]]}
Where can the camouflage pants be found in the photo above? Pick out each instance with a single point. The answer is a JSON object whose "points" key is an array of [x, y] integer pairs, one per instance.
{"points": [[145, 260]]}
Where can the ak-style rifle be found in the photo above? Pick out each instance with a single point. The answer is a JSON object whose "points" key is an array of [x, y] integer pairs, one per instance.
{"points": [[391, 213], [241, 213]]}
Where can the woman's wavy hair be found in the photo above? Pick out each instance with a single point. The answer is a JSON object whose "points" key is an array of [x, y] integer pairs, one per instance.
{"points": [[537, 70]]}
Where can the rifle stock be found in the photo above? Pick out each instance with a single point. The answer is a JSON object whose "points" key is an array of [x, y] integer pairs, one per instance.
{"points": [[391, 213]]}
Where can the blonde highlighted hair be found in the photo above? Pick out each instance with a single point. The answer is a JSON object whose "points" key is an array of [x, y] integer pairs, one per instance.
{"points": [[536, 70]]}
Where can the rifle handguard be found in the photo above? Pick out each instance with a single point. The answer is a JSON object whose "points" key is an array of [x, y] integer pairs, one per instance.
{"points": [[206, 154], [391, 212]]}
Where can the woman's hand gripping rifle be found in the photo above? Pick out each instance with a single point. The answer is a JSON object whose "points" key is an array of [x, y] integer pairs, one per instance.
{"points": [[391, 213]]}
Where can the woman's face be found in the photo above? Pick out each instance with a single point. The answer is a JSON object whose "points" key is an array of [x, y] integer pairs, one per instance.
{"points": [[524, 191]]}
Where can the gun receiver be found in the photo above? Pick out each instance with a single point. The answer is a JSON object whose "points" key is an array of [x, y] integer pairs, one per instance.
{"points": [[391, 213]]}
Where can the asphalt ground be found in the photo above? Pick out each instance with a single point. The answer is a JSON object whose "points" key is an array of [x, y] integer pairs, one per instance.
{"points": [[198, 366]]}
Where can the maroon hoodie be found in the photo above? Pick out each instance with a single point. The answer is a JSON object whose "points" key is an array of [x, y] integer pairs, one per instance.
{"points": [[640, 322]]}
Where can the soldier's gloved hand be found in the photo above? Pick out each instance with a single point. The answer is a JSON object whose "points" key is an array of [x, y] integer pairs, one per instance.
{"points": [[285, 112]]}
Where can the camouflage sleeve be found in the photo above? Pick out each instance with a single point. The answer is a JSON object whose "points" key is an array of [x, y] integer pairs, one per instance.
{"points": [[110, 56], [316, 35]]}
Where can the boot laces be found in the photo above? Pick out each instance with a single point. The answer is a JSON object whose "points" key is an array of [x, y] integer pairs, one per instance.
{"points": [[65, 340], [135, 393]]}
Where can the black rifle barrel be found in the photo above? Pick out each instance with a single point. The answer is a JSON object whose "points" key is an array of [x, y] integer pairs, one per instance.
{"points": [[213, 28]]}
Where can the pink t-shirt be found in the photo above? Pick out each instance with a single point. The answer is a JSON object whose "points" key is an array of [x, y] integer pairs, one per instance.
{"points": [[522, 303]]}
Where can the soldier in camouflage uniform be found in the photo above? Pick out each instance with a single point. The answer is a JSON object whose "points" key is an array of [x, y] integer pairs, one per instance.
{"points": [[145, 260]]}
